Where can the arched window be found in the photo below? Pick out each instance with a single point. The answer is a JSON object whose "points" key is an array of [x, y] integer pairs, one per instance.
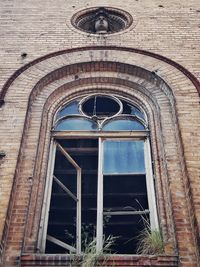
{"points": [[100, 181]]}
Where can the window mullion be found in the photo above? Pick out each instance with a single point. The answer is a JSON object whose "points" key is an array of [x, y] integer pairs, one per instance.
{"points": [[100, 199], [78, 213], [150, 186]]}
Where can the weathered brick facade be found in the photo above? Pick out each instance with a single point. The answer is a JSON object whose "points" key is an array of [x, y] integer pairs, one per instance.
{"points": [[155, 61]]}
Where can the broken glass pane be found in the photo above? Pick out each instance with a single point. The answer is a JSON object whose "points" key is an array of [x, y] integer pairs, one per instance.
{"points": [[124, 192], [125, 231], [62, 212], [101, 106]]}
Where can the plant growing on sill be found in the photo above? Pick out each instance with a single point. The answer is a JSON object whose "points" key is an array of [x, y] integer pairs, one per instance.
{"points": [[91, 258], [150, 241]]}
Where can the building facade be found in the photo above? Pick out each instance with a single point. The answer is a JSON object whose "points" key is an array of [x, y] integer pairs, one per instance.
{"points": [[100, 122]]}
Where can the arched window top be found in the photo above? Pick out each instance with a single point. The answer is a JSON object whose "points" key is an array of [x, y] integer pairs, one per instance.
{"points": [[100, 112]]}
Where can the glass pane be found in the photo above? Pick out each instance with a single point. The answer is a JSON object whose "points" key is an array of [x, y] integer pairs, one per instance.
{"points": [[132, 110], [123, 125], [69, 109], [76, 124], [123, 157]]}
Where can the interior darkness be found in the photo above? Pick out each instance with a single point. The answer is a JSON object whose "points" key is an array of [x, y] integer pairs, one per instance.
{"points": [[100, 106], [124, 193], [121, 193], [62, 215], [126, 230]]}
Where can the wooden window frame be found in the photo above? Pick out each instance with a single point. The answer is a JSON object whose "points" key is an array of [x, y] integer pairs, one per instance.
{"points": [[122, 135]]}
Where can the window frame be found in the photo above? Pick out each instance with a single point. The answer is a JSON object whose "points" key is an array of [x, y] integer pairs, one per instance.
{"points": [[59, 135]]}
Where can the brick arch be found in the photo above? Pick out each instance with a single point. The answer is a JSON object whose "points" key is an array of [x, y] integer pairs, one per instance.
{"points": [[126, 76], [82, 87], [17, 73], [104, 85]]}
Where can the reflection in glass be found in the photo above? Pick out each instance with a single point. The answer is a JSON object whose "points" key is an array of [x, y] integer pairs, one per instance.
{"points": [[137, 112], [123, 125], [69, 109], [123, 157], [132, 110], [76, 124]]}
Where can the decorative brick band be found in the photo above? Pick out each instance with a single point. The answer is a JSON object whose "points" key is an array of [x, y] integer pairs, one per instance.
{"points": [[96, 66], [187, 73]]}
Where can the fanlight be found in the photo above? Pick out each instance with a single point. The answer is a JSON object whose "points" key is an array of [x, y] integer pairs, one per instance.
{"points": [[100, 113]]}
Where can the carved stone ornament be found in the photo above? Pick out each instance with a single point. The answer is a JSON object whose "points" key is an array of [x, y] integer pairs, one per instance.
{"points": [[102, 20]]}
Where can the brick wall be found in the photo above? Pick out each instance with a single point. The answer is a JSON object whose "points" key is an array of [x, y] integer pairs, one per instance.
{"points": [[41, 28]]}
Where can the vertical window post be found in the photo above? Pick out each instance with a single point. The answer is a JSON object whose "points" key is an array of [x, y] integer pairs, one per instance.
{"points": [[78, 212], [99, 236], [150, 185]]}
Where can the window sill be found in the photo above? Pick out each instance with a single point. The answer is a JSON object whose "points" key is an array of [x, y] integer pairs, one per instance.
{"points": [[55, 260]]}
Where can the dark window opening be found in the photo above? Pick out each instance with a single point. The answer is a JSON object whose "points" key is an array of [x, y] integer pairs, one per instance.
{"points": [[125, 201], [62, 214], [124, 196], [101, 106]]}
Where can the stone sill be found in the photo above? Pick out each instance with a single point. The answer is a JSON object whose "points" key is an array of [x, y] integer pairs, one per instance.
{"points": [[57, 260]]}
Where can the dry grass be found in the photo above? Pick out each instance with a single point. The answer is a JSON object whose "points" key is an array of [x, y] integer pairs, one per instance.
{"points": [[149, 241], [92, 258]]}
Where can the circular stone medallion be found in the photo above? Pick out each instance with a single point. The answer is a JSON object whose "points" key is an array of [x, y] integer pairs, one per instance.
{"points": [[102, 20]]}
